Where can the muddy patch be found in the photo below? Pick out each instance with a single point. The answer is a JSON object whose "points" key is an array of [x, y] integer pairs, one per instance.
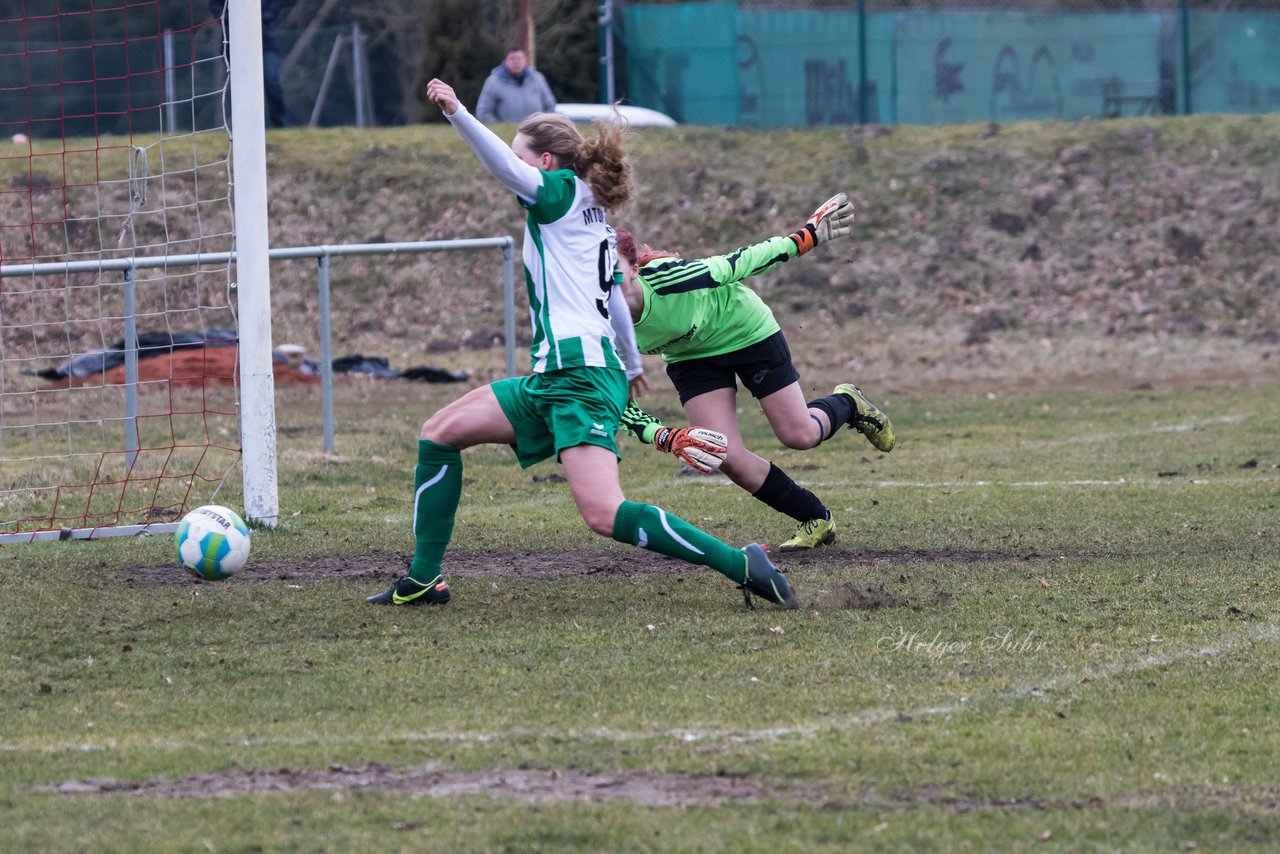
{"points": [[539, 565], [381, 568], [853, 597], [534, 785], [675, 790]]}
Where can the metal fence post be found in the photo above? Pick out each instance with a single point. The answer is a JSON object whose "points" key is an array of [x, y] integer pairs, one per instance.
{"points": [[170, 124], [326, 351], [509, 303], [607, 87], [863, 112], [358, 74], [130, 367], [1184, 12]]}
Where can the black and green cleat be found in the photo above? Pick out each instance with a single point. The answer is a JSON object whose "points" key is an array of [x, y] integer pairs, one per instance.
{"points": [[764, 580], [406, 591]]}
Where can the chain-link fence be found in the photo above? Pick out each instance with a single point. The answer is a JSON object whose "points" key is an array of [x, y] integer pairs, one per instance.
{"points": [[793, 64]]}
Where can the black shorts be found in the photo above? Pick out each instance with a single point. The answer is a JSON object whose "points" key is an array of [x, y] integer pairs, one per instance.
{"points": [[764, 368]]}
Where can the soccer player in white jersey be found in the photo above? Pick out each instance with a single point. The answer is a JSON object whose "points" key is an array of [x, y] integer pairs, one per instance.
{"points": [[571, 405]]}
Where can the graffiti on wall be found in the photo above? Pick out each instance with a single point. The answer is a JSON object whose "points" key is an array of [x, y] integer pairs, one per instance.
{"points": [[940, 67], [1025, 89], [830, 98], [946, 74]]}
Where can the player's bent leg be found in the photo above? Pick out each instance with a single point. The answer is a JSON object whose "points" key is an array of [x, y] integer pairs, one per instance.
{"points": [[476, 418], [592, 472], [654, 529], [791, 419], [848, 405], [718, 410], [473, 419]]}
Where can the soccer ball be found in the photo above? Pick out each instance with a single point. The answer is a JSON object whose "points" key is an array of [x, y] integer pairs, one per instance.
{"points": [[212, 542]]}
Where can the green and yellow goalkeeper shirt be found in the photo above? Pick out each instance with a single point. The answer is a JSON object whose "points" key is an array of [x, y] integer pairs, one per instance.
{"points": [[695, 309]]}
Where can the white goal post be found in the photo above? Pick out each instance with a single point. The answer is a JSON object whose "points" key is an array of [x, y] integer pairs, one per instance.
{"points": [[253, 269]]}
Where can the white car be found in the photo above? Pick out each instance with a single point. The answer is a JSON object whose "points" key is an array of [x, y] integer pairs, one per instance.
{"points": [[637, 117]]}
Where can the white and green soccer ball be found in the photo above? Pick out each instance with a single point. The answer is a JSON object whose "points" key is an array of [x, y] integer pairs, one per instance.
{"points": [[212, 542]]}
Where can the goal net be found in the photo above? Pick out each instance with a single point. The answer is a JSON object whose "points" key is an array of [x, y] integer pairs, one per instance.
{"points": [[123, 373]]}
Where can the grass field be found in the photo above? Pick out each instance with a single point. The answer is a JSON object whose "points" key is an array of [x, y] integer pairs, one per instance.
{"points": [[1051, 619]]}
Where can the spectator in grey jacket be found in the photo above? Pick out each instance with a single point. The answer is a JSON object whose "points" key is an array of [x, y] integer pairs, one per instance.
{"points": [[514, 90]]}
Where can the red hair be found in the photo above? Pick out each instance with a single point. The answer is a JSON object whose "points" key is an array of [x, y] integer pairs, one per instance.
{"points": [[638, 254]]}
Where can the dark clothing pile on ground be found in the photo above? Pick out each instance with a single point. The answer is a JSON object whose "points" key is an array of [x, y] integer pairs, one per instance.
{"points": [[152, 344]]}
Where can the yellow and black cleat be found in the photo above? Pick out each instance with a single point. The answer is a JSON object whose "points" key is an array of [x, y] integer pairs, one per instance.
{"points": [[867, 419]]}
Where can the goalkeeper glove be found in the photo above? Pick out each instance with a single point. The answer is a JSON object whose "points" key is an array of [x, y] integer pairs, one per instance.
{"points": [[834, 218], [698, 447]]}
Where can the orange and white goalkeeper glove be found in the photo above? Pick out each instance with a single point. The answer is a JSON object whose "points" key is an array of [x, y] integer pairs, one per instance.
{"points": [[832, 219], [698, 447]]}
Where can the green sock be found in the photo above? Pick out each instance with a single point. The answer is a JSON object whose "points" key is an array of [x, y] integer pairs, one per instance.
{"points": [[652, 528], [437, 488]]}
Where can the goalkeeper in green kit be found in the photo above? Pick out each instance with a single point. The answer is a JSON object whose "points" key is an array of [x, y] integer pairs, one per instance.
{"points": [[713, 331]]}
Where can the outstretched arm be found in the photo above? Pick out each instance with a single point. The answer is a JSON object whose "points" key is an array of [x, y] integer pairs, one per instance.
{"points": [[676, 275], [834, 218], [494, 154], [698, 447]]}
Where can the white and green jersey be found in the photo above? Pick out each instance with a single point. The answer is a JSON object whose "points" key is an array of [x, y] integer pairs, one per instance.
{"points": [[695, 309], [569, 255]]}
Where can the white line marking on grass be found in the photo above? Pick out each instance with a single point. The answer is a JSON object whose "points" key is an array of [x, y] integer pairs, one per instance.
{"points": [[1261, 633], [1031, 484], [1123, 481], [1181, 427]]}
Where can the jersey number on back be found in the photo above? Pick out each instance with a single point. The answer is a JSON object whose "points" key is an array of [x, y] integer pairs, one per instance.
{"points": [[606, 278]]}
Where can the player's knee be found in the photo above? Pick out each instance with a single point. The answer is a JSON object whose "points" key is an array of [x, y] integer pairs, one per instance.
{"points": [[599, 516], [799, 437], [439, 428], [599, 521], [430, 430]]}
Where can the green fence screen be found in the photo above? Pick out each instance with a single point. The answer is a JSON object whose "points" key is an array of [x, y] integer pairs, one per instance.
{"points": [[725, 63]]}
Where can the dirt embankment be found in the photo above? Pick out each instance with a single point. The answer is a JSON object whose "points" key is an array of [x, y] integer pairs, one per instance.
{"points": [[1145, 247], [971, 241]]}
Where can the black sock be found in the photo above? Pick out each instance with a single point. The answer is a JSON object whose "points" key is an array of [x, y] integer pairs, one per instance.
{"points": [[786, 496], [839, 409]]}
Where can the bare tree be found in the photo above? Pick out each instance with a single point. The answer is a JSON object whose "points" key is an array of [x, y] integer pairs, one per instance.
{"points": [[457, 40], [393, 32]]}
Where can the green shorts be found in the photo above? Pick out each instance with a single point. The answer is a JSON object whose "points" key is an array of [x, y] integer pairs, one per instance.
{"points": [[562, 409]]}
